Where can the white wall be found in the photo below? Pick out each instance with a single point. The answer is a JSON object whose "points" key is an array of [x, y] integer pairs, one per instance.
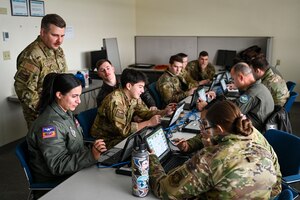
{"points": [[91, 20], [275, 18]]}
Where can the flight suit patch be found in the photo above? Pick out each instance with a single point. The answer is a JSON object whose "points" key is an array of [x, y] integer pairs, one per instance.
{"points": [[244, 98], [49, 132], [120, 114]]}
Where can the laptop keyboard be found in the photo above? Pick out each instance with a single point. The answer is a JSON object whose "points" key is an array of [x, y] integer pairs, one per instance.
{"points": [[112, 158], [173, 163]]}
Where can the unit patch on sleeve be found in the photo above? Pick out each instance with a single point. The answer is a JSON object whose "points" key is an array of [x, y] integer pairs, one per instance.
{"points": [[244, 98], [49, 132]]}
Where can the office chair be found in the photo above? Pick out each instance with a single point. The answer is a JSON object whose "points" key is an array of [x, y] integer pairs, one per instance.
{"points": [[286, 194], [155, 94], [22, 154], [287, 148], [86, 119], [290, 85], [290, 101]]}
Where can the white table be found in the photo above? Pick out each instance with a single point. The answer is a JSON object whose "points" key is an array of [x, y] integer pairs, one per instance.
{"points": [[94, 183]]}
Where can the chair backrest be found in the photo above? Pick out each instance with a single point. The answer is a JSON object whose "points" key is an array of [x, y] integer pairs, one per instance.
{"points": [[287, 148], [155, 94], [290, 101], [290, 85], [86, 119], [286, 194], [22, 154]]}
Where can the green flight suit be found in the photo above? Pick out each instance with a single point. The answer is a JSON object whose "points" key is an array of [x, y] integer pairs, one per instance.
{"points": [[33, 64], [56, 147], [237, 167], [257, 104]]}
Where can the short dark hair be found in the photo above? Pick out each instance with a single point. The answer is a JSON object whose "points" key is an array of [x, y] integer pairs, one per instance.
{"points": [[259, 62], [175, 58], [100, 62], [132, 76], [203, 53], [56, 82], [53, 19], [182, 55]]}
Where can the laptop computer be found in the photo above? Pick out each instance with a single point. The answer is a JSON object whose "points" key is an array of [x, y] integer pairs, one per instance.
{"points": [[157, 141], [168, 122], [118, 155], [229, 92]]}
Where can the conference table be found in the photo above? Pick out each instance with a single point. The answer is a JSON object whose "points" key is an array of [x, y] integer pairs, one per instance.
{"points": [[99, 183]]}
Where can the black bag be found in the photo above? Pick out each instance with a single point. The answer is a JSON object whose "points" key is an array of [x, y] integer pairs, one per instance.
{"points": [[279, 119]]}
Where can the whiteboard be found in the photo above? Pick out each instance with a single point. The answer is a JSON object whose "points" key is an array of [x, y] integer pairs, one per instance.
{"points": [[112, 51], [158, 49]]}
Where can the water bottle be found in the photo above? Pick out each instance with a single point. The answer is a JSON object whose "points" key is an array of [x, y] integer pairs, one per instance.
{"points": [[140, 170], [80, 76]]}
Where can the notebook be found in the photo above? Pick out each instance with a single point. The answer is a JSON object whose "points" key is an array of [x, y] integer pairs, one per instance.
{"points": [[118, 155], [168, 122], [229, 92], [157, 141]]}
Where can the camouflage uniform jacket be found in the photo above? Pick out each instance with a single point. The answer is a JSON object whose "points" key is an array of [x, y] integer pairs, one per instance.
{"points": [[33, 64], [107, 89], [195, 72], [277, 87], [187, 79], [171, 88], [257, 104], [113, 122], [237, 167], [56, 146]]}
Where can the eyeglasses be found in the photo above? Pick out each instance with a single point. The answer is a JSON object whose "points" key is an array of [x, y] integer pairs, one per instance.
{"points": [[204, 124]]}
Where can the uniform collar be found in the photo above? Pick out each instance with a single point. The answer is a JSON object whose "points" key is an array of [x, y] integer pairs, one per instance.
{"points": [[170, 73], [47, 51], [60, 111], [268, 73]]}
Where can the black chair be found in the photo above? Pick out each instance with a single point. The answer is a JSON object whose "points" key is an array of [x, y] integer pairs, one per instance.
{"points": [[155, 94], [86, 119], [287, 148], [23, 155], [290, 85]]}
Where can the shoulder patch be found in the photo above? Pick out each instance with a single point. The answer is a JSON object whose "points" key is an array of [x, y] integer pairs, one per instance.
{"points": [[49, 132], [244, 98]]}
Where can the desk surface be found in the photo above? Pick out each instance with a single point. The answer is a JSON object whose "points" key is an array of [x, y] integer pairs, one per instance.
{"points": [[93, 183]]}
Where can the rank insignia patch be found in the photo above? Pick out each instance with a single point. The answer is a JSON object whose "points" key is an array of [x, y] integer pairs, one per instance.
{"points": [[49, 132]]}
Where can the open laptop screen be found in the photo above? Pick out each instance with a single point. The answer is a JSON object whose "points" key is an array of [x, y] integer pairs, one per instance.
{"points": [[176, 113], [157, 141]]}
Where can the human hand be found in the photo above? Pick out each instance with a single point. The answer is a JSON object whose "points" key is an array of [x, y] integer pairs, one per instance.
{"points": [[191, 91], [98, 148], [201, 104], [154, 120], [170, 108], [182, 144], [153, 108], [211, 94]]}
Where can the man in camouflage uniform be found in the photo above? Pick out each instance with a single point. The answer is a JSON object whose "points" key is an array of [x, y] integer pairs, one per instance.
{"points": [[184, 74], [201, 70], [38, 59], [114, 120], [236, 166], [170, 86], [272, 81]]}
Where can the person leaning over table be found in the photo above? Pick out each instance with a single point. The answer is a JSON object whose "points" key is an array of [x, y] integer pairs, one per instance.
{"points": [[55, 142], [106, 71], [116, 115], [41, 57], [237, 163]]}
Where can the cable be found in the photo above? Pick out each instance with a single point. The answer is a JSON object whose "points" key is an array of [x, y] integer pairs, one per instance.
{"points": [[114, 165]]}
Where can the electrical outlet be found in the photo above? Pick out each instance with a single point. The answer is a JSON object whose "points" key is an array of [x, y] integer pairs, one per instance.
{"points": [[6, 55], [277, 62]]}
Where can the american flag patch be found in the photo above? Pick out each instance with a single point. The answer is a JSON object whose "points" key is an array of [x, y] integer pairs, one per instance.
{"points": [[49, 132]]}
